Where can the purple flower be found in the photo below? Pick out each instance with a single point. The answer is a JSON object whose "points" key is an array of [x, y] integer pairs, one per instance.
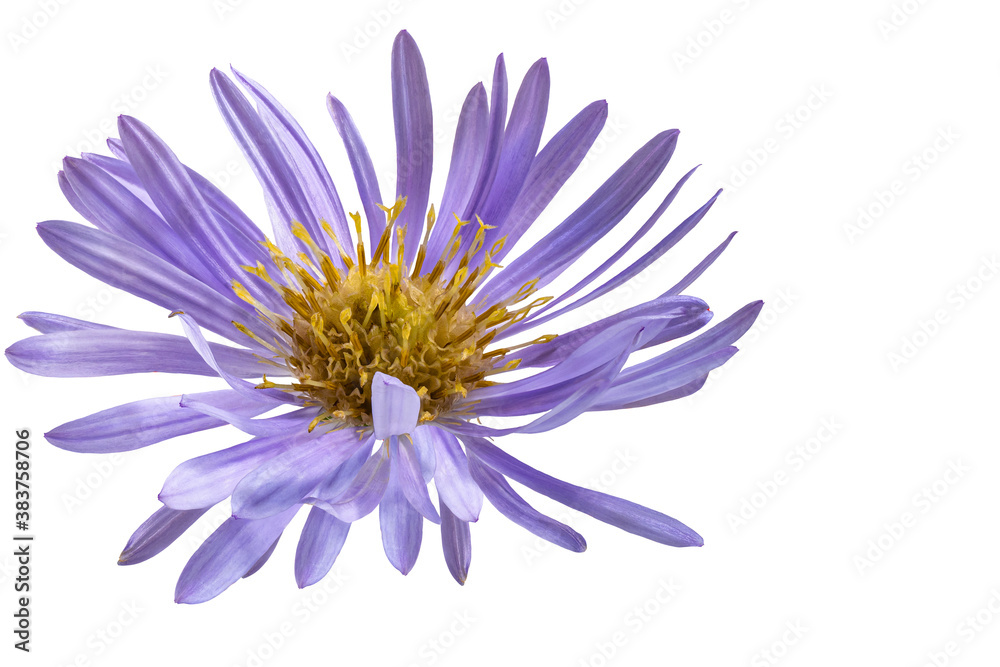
{"points": [[372, 348]]}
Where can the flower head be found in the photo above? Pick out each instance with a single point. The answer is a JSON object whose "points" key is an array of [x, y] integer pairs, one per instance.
{"points": [[365, 348]]}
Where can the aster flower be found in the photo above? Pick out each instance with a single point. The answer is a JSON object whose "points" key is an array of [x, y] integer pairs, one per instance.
{"points": [[360, 369]]}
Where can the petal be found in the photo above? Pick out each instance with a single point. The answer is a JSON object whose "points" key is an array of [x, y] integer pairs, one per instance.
{"points": [[466, 160], [411, 111], [454, 483], [137, 271], [336, 484], [282, 424], [99, 352], [395, 407], [157, 533], [410, 480], [320, 543], [361, 165], [229, 553], [401, 525], [494, 141], [604, 209], [626, 515], [285, 480], [700, 269], [180, 203], [208, 479], [318, 188], [456, 541], [550, 169], [512, 506], [364, 492], [146, 422], [50, 323]]}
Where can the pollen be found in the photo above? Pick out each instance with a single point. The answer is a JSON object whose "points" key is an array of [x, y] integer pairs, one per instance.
{"points": [[380, 315]]}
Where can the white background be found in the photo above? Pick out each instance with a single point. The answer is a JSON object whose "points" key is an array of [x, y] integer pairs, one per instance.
{"points": [[808, 113]]}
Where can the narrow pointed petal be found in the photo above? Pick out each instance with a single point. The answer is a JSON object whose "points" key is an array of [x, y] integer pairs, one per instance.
{"points": [[320, 542], [550, 170], [227, 555], [456, 541], [466, 161], [137, 271], [513, 506], [100, 352], [50, 323], [626, 515], [494, 141], [180, 203], [146, 422], [285, 480], [693, 275], [452, 479], [157, 533], [411, 111], [668, 378], [395, 407], [411, 481], [361, 165], [401, 525], [278, 425], [604, 209], [318, 188], [211, 478]]}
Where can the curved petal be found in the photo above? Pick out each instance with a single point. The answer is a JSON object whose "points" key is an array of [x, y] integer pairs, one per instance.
{"points": [[157, 533], [263, 559], [228, 554], [361, 165], [282, 424], [494, 141], [142, 423], [411, 481], [285, 480], [50, 323], [364, 492], [454, 484], [209, 479], [320, 543], [411, 112], [127, 266], [395, 407], [626, 515], [512, 506]]}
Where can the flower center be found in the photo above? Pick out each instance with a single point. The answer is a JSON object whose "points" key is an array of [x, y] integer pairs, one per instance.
{"points": [[381, 316]]}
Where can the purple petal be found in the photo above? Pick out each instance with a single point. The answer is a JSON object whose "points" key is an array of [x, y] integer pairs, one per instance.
{"points": [[520, 143], [319, 192], [454, 484], [512, 506], [604, 209], [494, 141], [671, 395], [180, 202], [282, 424], [395, 407], [146, 422], [550, 169], [157, 533], [50, 323], [211, 478], [127, 266], [99, 352], [336, 484], [466, 160], [320, 543], [364, 492], [667, 378], [411, 111], [361, 165], [700, 269], [401, 525], [411, 481], [621, 513], [227, 555], [285, 480], [456, 540]]}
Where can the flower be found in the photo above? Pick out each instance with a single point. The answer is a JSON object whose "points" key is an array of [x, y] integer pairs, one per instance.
{"points": [[372, 363]]}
